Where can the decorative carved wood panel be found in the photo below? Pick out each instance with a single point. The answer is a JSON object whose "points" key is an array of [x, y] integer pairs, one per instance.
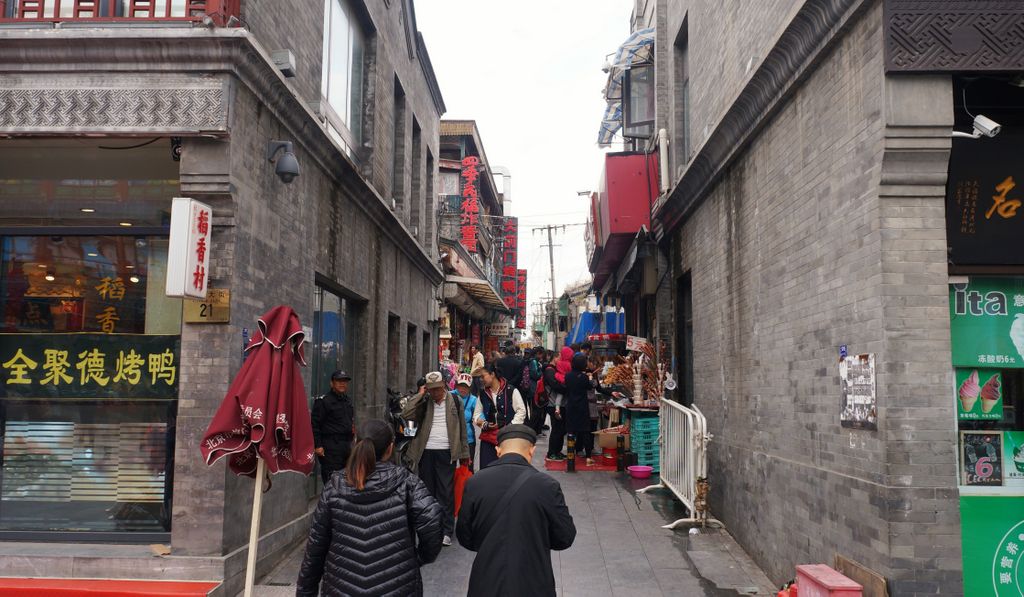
{"points": [[954, 35]]}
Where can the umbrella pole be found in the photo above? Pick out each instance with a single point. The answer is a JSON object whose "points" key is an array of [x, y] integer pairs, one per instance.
{"points": [[254, 527]]}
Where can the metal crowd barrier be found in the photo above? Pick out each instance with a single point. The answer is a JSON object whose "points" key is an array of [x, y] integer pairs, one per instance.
{"points": [[683, 444]]}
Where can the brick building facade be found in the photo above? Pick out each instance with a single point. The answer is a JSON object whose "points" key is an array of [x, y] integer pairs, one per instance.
{"points": [[807, 210], [350, 240]]}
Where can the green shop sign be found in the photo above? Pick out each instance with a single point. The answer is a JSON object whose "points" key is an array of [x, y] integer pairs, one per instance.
{"points": [[993, 545], [986, 322]]}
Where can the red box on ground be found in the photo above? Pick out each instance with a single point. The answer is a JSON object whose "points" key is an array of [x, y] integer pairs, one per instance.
{"points": [[819, 580]]}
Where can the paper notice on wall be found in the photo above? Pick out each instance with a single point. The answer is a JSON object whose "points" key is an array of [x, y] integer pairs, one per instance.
{"points": [[858, 408]]}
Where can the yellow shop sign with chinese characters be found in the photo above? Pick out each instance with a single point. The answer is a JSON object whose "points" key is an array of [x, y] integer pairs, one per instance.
{"points": [[89, 365]]}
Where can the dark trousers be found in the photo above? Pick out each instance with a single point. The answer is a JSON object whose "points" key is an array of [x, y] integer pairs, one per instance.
{"points": [[488, 454], [584, 443], [336, 451], [438, 473], [536, 421], [557, 438]]}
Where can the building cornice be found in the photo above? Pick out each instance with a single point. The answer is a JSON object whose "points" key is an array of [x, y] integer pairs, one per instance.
{"points": [[202, 51], [810, 34]]}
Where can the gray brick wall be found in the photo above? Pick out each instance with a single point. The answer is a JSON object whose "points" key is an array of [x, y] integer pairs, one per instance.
{"points": [[797, 250]]}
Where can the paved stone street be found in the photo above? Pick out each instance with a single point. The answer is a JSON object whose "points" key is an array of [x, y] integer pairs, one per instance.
{"points": [[620, 549]]}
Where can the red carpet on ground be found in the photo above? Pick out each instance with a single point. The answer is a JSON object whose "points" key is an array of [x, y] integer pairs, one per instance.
{"points": [[74, 587], [581, 465]]}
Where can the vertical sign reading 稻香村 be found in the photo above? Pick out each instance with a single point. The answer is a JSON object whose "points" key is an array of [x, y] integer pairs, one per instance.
{"points": [[509, 261], [521, 301], [188, 253], [470, 219]]}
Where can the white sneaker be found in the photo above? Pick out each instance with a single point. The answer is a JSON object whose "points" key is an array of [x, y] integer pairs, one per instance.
{"points": [[447, 541]]}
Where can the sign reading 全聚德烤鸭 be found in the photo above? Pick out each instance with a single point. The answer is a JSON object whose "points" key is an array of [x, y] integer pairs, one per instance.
{"points": [[188, 253], [986, 322], [89, 365]]}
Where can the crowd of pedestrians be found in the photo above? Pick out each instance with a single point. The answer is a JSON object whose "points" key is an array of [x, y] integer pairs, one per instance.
{"points": [[385, 512]]}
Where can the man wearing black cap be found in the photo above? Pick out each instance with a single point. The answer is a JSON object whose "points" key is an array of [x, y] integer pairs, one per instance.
{"points": [[513, 515], [333, 418]]}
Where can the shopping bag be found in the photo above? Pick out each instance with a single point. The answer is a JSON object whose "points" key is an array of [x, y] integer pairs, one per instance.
{"points": [[462, 474]]}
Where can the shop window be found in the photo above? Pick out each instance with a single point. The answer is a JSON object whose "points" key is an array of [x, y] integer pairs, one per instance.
{"points": [[393, 357], [429, 354], [89, 356], [638, 102], [334, 338], [681, 102], [412, 373], [398, 147], [684, 341], [344, 53]]}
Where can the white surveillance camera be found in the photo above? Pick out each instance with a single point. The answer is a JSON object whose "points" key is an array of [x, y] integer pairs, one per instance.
{"points": [[986, 126]]}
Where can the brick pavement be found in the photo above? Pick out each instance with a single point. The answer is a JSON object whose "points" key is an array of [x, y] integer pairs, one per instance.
{"points": [[620, 550]]}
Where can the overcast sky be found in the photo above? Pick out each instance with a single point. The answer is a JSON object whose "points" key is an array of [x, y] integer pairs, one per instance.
{"points": [[529, 73]]}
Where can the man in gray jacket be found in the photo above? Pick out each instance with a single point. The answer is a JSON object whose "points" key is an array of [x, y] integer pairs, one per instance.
{"points": [[439, 445]]}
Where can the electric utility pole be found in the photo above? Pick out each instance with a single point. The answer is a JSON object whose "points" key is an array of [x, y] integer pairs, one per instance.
{"points": [[551, 262]]}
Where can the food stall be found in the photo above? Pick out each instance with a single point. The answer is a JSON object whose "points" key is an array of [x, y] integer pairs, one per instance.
{"points": [[635, 379]]}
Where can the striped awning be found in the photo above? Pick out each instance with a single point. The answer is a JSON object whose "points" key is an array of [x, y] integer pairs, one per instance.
{"points": [[638, 48]]}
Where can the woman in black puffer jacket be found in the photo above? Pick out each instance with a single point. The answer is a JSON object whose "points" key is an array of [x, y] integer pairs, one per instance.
{"points": [[363, 540]]}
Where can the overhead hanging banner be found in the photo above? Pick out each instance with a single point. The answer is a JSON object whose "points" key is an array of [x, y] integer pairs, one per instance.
{"points": [[509, 262], [521, 301], [986, 323]]}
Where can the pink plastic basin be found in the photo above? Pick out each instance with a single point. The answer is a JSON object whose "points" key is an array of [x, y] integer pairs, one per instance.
{"points": [[638, 471]]}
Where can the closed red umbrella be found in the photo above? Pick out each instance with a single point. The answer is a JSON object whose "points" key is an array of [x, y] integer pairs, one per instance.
{"points": [[265, 412], [263, 423]]}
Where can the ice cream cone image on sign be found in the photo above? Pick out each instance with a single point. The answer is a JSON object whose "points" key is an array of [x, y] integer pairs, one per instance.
{"points": [[969, 391], [1017, 333], [990, 394]]}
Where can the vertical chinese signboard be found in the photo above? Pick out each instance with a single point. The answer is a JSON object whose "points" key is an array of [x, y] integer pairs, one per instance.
{"points": [[521, 301], [470, 202], [984, 216], [188, 251], [509, 261]]}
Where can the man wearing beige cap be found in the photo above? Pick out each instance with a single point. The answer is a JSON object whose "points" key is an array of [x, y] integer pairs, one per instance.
{"points": [[439, 445]]}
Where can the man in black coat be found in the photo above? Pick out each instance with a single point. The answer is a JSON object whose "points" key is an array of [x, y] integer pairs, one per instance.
{"points": [[333, 418], [513, 516]]}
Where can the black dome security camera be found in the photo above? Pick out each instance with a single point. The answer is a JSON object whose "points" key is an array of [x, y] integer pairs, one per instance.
{"points": [[287, 167]]}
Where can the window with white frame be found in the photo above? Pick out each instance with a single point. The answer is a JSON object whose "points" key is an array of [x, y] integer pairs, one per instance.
{"points": [[342, 83]]}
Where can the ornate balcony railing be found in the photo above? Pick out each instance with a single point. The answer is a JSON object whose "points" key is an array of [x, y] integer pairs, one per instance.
{"points": [[54, 11]]}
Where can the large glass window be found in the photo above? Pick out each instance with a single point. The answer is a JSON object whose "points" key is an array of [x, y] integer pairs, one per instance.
{"points": [[334, 337], [89, 343], [89, 356], [342, 82]]}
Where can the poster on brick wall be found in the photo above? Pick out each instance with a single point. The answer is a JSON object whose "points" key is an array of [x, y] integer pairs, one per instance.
{"points": [[858, 408]]}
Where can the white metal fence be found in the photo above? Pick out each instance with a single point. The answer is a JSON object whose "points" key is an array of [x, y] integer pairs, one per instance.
{"points": [[683, 439]]}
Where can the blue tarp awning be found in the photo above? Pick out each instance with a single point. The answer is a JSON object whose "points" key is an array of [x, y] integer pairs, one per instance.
{"points": [[589, 323]]}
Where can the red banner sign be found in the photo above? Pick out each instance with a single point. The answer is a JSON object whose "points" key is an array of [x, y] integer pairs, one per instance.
{"points": [[521, 301], [509, 261], [470, 203]]}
